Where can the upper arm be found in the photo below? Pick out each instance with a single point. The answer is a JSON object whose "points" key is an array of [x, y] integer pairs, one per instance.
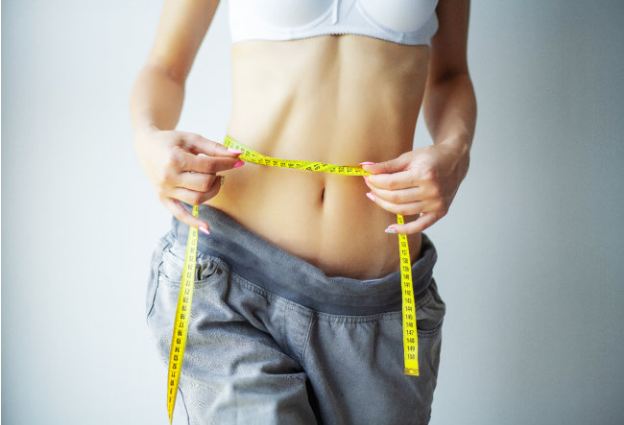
{"points": [[449, 44], [183, 25]]}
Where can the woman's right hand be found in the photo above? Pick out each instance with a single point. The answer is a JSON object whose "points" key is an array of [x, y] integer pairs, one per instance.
{"points": [[183, 167]]}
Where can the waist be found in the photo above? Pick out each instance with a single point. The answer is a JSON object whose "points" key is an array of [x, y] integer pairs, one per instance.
{"points": [[333, 100], [279, 272], [322, 218]]}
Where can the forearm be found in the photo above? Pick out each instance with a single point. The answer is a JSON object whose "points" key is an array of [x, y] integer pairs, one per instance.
{"points": [[450, 111], [424, 181], [156, 101]]}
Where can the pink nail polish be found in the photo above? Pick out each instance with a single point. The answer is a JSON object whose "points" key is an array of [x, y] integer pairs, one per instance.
{"points": [[239, 164], [370, 196], [235, 151], [204, 230], [367, 182], [367, 163], [391, 230]]}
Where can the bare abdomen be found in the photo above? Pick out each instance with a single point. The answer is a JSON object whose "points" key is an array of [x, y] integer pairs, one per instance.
{"points": [[340, 100]]}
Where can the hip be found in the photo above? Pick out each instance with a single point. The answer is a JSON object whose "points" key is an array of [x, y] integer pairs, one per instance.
{"points": [[275, 270]]}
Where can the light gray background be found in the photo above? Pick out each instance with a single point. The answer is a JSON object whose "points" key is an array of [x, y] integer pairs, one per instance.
{"points": [[531, 256]]}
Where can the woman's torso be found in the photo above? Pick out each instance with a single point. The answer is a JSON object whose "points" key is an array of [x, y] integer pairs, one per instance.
{"points": [[338, 99]]}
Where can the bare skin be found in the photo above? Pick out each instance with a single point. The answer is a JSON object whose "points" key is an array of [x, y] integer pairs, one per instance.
{"points": [[340, 99]]}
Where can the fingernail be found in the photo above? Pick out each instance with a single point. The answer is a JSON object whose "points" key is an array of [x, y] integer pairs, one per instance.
{"points": [[204, 230], [367, 163], [239, 164], [235, 151], [370, 196], [367, 182], [391, 230]]}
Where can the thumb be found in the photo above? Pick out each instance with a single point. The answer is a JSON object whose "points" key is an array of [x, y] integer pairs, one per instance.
{"points": [[387, 167]]}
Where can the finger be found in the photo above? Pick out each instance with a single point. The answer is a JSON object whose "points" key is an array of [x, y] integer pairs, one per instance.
{"points": [[177, 209], [194, 197], [215, 188], [419, 225], [410, 208], [198, 182], [197, 144], [386, 167], [395, 181], [187, 196], [214, 164], [401, 196], [202, 163]]}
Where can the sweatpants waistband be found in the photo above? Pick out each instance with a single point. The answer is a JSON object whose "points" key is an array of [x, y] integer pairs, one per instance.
{"points": [[292, 278]]}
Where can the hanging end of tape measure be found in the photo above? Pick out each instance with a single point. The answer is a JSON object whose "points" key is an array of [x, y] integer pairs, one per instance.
{"points": [[412, 372], [170, 408]]}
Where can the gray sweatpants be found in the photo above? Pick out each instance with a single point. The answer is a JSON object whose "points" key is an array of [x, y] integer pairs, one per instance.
{"points": [[273, 340]]}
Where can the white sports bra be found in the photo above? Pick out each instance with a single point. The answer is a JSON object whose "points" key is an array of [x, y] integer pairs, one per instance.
{"points": [[411, 22]]}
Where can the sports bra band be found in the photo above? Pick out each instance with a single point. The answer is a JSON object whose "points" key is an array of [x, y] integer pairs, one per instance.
{"points": [[411, 22]]}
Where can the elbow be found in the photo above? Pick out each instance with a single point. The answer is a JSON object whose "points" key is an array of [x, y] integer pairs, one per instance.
{"points": [[455, 75]]}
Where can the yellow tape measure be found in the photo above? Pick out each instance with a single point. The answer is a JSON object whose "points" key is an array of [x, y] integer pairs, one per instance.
{"points": [[180, 329], [183, 314], [249, 155]]}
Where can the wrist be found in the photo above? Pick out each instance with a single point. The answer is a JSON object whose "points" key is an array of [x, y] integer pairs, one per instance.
{"points": [[146, 130], [144, 137], [458, 145]]}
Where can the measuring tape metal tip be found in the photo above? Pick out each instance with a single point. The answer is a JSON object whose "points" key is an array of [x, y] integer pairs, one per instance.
{"points": [[412, 372]]}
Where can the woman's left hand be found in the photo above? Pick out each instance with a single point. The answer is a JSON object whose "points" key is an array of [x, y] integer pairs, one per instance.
{"points": [[423, 181]]}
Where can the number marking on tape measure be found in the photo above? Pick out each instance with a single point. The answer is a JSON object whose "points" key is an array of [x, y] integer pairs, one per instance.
{"points": [[250, 155], [180, 327], [410, 333]]}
